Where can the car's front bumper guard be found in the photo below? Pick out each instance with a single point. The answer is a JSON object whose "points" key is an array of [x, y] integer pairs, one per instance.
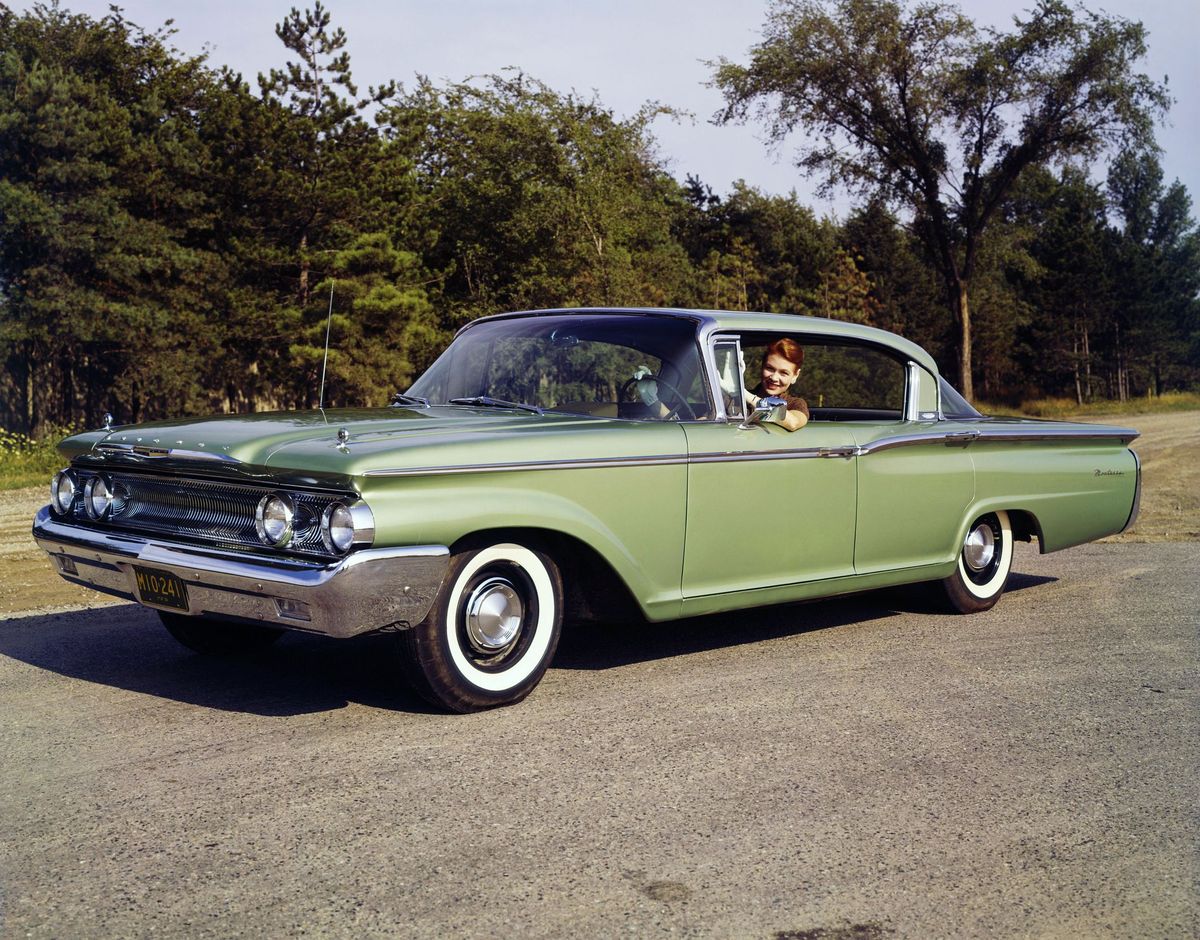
{"points": [[371, 589]]}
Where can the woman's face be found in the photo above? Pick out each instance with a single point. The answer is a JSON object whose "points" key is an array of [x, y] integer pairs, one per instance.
{"points": [[778, 374]]}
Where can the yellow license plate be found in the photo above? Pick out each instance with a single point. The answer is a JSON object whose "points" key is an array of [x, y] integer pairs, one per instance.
{"points": [[161, 588]]}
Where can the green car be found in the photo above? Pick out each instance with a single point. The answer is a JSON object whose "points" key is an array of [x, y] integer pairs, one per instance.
{"points": [[579, 464]]}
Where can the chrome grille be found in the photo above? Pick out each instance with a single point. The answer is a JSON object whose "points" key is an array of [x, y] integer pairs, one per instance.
{"points": [[208, 511]]}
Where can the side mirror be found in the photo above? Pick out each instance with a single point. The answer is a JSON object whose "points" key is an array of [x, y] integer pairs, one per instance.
{"points": [[769, 408]]}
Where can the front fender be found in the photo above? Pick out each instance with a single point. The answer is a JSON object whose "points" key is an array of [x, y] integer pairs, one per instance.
{"points": [[632, 516]]}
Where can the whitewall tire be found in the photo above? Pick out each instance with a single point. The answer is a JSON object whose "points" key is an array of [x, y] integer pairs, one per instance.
{"points": [[492, 630], [984, 562]]}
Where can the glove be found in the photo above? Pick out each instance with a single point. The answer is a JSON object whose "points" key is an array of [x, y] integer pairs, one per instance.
{"points": [[647, 386]]}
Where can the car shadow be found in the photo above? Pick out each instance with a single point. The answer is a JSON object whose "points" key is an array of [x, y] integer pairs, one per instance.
{"points": [[607, 645], [126, 647]]}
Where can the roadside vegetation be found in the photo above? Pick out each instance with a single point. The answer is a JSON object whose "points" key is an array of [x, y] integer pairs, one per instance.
{"points": [[1070, 408], [29, 461], [173, 237]]}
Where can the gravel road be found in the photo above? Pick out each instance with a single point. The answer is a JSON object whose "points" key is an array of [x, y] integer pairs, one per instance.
{"points": [[861, 768]]}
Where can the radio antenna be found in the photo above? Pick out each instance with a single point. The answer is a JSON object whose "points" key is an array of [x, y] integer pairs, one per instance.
{"points": [[325, 361]]}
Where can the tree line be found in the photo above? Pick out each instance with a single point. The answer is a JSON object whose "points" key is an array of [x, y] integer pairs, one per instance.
{"points": [[172, 240]]}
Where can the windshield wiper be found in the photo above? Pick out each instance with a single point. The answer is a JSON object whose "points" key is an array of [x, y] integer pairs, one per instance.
{"points": [[488, 402], [399, 398]]}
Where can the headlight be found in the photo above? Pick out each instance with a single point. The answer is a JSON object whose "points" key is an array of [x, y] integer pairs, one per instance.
{"points": [[62, 492], [337, 528], [274, 519], [98, 497], [343, 526]]}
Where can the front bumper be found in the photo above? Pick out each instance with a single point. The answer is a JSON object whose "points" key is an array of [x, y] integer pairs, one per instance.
{"points": [[367, 590]]}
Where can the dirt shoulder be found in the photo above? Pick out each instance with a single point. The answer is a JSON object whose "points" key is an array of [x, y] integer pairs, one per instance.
{"points": [[1168, 448]]}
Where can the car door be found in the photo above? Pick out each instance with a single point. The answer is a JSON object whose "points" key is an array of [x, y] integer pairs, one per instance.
{"points": [[916, 476], [765, 506]]}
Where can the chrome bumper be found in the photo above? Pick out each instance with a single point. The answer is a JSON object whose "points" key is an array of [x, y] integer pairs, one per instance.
{"points": [[367, 590]]}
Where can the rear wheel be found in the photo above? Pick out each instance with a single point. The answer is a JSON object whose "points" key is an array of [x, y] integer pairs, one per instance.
{"points": [[983, 564], [218, 637], [491, 632]]}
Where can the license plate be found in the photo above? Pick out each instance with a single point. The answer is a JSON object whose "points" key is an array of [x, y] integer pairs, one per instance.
{"points": [[161, 588]]}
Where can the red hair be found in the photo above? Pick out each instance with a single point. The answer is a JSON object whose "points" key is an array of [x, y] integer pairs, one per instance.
{"points": [[788, 348]]}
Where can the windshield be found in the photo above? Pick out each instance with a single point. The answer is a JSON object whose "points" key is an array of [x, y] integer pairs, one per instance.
{"points": [[605, 365]]}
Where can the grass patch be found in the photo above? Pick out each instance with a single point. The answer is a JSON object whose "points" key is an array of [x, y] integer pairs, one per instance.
{"points": [[27, 461], [1069, 408]]}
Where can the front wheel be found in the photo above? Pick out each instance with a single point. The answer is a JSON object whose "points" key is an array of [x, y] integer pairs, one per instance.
{"points": [[491, 632], [983, 565], [218, 637]]}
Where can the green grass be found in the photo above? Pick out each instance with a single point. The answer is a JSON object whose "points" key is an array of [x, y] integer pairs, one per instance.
{"points": [[27, 461], [1069, 408]]}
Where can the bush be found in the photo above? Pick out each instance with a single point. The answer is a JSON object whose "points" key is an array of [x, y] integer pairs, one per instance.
{"points": [[28, 461]]}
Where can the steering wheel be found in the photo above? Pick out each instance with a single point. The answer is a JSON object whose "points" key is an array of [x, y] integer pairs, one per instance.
{"points": [[672, 413]]}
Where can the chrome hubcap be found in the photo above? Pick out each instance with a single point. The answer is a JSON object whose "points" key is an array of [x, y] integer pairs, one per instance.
{"points": [[494, 615], [980, 547]]}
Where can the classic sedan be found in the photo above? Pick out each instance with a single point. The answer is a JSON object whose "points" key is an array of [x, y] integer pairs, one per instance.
{"points": [[578, 464]]}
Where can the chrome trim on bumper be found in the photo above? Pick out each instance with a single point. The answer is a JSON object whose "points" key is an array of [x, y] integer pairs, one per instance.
{"points": [[1137, 494], [367, 590]]}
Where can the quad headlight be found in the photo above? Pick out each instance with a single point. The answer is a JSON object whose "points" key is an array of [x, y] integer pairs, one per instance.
{"points": [[275, 519], [98, 497], [63, 490], [343, 526]]}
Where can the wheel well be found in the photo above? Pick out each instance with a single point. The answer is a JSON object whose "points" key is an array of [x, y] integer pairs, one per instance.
{"points": [[592, 590], [1025, 526]]}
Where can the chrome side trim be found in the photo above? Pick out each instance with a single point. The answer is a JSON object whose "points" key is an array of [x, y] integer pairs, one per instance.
{"points": [[367, 590], [154, 452], [942, 437], [1125, 435], [597, 463], [963, 438], [795, 453], [1137, 495], [582, 463]]}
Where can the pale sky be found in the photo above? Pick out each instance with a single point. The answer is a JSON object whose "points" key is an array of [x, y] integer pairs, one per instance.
{"points": [[628, 52]]}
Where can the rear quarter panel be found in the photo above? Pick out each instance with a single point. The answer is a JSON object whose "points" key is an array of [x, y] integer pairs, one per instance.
{"points": [[1077, 491]]}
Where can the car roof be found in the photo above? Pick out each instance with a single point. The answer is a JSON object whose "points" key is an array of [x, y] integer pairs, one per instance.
{"points": [[737, 320]]}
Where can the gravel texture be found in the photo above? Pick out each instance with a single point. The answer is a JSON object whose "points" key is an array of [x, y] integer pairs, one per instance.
{"points": [[862, 768]]}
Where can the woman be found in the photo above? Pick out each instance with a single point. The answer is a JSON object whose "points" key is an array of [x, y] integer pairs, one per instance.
{"points": [[781, 364]]}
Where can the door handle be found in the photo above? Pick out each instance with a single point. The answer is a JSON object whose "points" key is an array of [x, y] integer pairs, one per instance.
{"points": [[962, 437], [837, 451]]}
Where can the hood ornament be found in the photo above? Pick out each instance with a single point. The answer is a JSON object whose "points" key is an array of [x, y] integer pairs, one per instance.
{"points": [[343, 436], [108, 421]]}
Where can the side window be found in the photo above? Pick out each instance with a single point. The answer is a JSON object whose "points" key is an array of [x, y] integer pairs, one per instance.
{"points": [[853, 377], [839, 382]]}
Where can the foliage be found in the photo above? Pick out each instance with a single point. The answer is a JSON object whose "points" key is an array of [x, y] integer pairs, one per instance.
{"points": [[170, 239], [920, 107], [1070, 408], [29, 461]]}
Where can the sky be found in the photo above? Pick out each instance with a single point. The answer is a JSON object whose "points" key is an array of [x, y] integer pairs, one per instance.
{"points": [[627, 52]]}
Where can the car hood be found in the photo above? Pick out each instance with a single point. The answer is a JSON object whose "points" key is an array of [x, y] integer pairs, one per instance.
{"points": [[304, 447]]}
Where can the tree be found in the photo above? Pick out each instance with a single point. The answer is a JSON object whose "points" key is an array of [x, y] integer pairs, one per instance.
{"points": [[921, 108], [323, 148], [105, 263], [1158, 254], [533, 198], [382, 331]]}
